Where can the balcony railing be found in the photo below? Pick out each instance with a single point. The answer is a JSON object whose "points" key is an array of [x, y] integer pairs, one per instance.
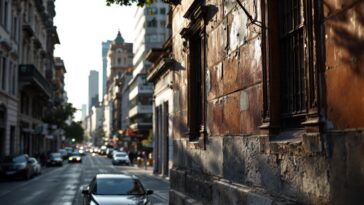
{"points": [[140, 109], [29, 73], [141, 89]]}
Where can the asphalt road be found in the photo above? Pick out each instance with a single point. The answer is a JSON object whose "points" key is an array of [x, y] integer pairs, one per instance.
{"points": [[62, 185]]}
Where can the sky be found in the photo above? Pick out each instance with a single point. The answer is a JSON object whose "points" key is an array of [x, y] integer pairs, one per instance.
{"points": [[82, 25]]}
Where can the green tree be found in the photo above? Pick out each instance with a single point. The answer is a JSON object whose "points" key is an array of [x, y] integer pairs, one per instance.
{"points": [[75, 130], [140, 3], [59, 115]]}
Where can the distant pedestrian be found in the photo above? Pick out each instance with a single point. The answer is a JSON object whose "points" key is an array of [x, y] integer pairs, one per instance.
{"points": [[43, 158], [145, 160], [131, 157]]}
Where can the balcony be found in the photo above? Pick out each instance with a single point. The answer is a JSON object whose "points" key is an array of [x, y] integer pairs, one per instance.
{"points": [[29, 74], [141, 125], [28, 27], [141, 89], [140, 109]]}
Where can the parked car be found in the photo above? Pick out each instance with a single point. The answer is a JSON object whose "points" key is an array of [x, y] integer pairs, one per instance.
{"points": [[103, 150], [110, 152], [120, 158], [64, 153], [17, 166], [55, 159], [69, 151], [35, 165], [115, 189], [75, 157]]}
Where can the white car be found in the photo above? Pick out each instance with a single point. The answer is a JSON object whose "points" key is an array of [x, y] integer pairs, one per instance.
{"points": [[35, 166], [120, 158]]}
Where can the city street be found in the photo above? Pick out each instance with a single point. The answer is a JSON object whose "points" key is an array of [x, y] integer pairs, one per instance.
{"points": [[62, 185]]}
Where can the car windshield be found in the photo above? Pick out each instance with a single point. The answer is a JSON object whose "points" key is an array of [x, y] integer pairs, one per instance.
{"points": [[121, 155], [17, 159], [56, 155], [118, 186], [75, 154]]}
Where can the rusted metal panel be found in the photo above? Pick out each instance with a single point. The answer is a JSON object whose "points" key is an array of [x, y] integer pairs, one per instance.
{"points": [[216, 44], [228, 6], [230, 73], [251, 117], [215, 117], [215, 82], [344, 42], [237, 28], [232, 117], [214, 15], [250, 64], [345, 102]]}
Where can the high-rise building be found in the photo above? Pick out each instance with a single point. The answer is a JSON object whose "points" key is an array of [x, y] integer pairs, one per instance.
{"points": [[105, 49], [152, 27], [93, 89], [83, 110]]}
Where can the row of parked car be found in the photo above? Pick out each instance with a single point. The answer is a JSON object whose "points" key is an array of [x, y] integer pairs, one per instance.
{"points": [[25, 167], [19, 166]]}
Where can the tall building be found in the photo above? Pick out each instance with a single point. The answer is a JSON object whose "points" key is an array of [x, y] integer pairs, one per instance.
{"points": [[120, 62], [83, 112], [9, 58], [60, 97], [93, 89], [152, 26], [27, 71], [105, 49]]}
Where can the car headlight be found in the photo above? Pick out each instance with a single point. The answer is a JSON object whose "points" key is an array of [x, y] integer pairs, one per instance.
{"points": [[69, 158], [78, 158]]}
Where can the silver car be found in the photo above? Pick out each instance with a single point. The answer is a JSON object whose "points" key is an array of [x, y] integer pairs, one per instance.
{"points": [[120, 158], [115, 189]]}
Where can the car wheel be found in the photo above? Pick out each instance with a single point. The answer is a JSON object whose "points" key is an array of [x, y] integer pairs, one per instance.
{"points": [[27, 175]]}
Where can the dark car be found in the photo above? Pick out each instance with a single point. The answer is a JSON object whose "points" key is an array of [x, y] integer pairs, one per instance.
{"points": [[64, 153], [107, 189], [16, 166], [55, 159], [75, 157]]}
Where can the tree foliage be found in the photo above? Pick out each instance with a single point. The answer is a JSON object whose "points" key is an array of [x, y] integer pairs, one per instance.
{"points": [[140, 3], [74, 130], [59, 115]]}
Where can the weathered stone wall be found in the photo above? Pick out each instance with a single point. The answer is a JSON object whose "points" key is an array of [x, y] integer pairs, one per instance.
{"points": [[345, 150], [315, 169]]}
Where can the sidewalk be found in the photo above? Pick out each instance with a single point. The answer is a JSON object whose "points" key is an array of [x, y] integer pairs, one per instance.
{"points": [[149, 171]]}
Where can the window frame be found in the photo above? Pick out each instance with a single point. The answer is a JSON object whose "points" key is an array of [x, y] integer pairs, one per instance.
{"points": [[195, 39], [272, 103]]}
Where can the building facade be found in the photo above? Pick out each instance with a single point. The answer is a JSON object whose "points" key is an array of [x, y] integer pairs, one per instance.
{"points": [[93, 89], [96, 117], [105, 48], [60, 95], [120, 58], [259, 115], [161, 75], [9, 59], [38, 37], [151, 24]]}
